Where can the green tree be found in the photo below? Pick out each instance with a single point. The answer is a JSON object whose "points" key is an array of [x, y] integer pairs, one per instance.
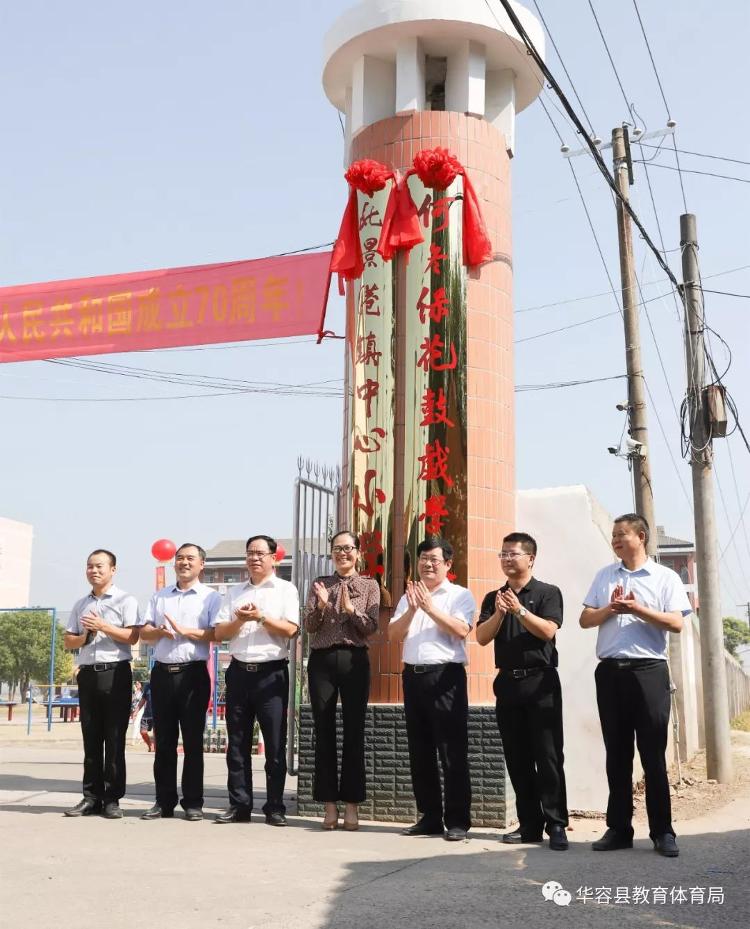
{"points": [[25, 642], [736, 632]]}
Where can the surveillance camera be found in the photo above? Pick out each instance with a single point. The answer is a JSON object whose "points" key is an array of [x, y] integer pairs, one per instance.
{"points": [[632, 444], [565, 149], [671, 124], [623, 407], [637, 132], [596, 140], [612, 450]]}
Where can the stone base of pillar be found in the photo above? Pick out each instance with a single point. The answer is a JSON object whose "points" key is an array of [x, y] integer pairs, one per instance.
{"points": [[389, 793]]}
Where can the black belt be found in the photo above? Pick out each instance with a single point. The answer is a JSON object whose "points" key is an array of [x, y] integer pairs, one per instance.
{"points": [[102, 665], [518, 673], [260, 665], [624, 663], [177, 666], [427, 668]]}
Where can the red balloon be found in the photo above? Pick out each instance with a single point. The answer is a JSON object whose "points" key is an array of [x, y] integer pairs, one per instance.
{"points": [[280, 553], [163, 550]]}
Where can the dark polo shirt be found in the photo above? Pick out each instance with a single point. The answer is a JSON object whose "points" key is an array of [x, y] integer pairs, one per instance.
{"points": [[515, 646]]}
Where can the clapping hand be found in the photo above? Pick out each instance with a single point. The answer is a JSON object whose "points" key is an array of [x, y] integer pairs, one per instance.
{"points": [[92, 622], [346, 601], [248, 613], [500, 608], [620, 602], [511, 601], [321, 592], [171, 630], [423, 596]]}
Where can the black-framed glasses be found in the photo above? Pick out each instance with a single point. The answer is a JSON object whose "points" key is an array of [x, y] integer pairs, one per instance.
{"points": [[343, 549]]}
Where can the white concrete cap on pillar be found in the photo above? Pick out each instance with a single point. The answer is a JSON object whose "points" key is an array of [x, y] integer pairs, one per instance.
{"points": [[384, 57]]}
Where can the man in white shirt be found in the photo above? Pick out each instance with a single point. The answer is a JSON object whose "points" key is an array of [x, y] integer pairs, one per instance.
{"points": [[432, 620], [634, 603], [259, 618], [102, 626], [178, 622]]}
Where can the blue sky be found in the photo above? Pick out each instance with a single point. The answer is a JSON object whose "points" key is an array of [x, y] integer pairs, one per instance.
{"points": [[182, 133]]}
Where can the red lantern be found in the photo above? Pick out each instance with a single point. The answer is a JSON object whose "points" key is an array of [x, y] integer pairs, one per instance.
{"points": [[163, 550], [280, 553]]}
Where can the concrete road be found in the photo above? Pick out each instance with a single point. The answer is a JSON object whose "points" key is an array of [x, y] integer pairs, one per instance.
{"points": [[87, 873]]}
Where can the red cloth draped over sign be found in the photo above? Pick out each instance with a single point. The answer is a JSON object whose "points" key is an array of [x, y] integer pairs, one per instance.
{"points": [[235, 301]]}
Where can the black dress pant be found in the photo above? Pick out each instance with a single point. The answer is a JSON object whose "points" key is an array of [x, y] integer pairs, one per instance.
{"points": [[261, 694], [634, 703], [179, 701], [529, 717], [331, 672], [104, 699], [436, 705]]}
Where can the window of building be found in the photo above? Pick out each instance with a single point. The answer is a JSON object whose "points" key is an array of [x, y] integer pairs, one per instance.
{"points": [[435, 71]]}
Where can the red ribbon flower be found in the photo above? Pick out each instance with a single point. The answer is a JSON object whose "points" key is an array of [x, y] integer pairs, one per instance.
{"points": [[368, 176], [437, 167]]}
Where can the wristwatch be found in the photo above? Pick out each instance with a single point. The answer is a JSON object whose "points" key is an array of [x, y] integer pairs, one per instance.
{"points": [[261, 619], [522, 612]]}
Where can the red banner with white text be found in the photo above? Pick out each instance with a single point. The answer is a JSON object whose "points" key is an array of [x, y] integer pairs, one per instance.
{"points": [[234, 301]]}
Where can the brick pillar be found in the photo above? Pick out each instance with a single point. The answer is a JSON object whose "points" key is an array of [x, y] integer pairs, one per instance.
{"points": [[481, 148]]}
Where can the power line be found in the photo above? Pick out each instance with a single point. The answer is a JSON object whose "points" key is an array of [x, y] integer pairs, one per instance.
{"points": [[559, 57], [726, 293], [664, 99], [596, 154], [609, 55], [724, 177], [684, 151], [583, 322], [557, 385]]}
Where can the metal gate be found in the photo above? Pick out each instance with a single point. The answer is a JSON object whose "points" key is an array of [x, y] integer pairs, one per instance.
{"points": [[316, 508]]}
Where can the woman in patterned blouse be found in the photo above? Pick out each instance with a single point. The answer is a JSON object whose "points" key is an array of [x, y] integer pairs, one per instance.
{"points": [[341, 613]]}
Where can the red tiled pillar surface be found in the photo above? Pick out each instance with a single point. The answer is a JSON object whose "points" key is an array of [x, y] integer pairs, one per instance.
{"points": [[491, 479]]}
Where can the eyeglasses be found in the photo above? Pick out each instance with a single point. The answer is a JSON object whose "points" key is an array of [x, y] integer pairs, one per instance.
{"points": [[432, 561], [342, 549], [510, 556], [258, 554]]}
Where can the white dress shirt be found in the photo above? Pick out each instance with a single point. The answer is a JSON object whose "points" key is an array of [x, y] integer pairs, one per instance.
{"points": [[116, 608], [426, 642], [193, 608], [254, 643], [625, 635]]}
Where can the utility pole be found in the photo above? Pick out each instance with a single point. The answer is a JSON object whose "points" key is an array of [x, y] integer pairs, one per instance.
{"points": [[644, 491], [715, 705]]}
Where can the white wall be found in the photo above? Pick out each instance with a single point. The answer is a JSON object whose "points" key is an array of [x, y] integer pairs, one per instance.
{"points": [[572, 531], [15, 563]]}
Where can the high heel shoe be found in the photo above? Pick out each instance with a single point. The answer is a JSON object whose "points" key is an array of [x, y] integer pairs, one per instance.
{"points": [[331, 819], [351, 818]]}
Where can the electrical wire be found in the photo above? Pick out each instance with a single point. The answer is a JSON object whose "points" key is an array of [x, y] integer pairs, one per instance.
{"points": [[664, 99], [583, 322], [609, 55], [598, 160], [557, 385], [725, 177], [683, 151]]}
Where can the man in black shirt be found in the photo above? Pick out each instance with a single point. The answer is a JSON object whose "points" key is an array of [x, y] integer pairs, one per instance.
{"points": [[522, 619]]}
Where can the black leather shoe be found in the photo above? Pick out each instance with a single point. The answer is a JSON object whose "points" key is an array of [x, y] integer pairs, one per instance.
{"points": [[276, 819], [157, 812], [85, 807], [612, 840], [558, 840], [455, 834], [233, 815], [666, 845], [112, 810], [194, 815], [518, 838], [424, 827]]}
